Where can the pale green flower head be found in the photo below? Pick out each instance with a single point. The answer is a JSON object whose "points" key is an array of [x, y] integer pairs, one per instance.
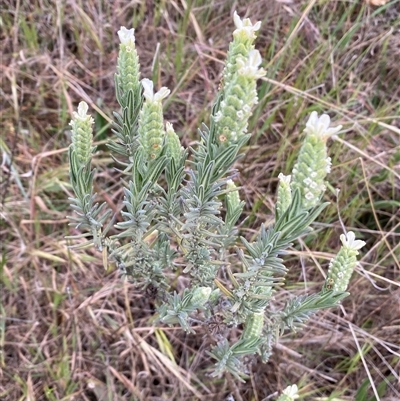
{"points": [[284, 198], [173, 147], [289, 394], [82, 136], [200, 296], [128, 75], [232, 197], [313, 163], [342, 265], [253, 326], [151, 123]]}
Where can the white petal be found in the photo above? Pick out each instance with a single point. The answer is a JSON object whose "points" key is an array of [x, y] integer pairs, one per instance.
{"points": [[148, 89], [161, 94], [82, 109], [237, 20], [257, 26], [148, 93], [333, 130], [313, 120], [255, 58], [127, 36], [324, 122], [169, 127]]}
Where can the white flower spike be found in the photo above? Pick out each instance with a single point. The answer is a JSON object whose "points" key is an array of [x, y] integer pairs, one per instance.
{"points": [[127, 36], [128, 74], [320, 126], [342, 265], [82, 136]]}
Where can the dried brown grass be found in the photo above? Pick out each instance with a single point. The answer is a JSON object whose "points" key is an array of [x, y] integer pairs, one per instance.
{"points": [[68, 331]]}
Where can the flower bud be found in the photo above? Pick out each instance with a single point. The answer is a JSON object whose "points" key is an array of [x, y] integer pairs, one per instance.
{"points": [[284, 198], [173, 147], [253, 326], [232, 197], [82, 136], [200, 296]]}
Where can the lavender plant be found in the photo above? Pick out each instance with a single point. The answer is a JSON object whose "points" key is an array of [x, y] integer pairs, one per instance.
{"points": [[172, 221]]}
